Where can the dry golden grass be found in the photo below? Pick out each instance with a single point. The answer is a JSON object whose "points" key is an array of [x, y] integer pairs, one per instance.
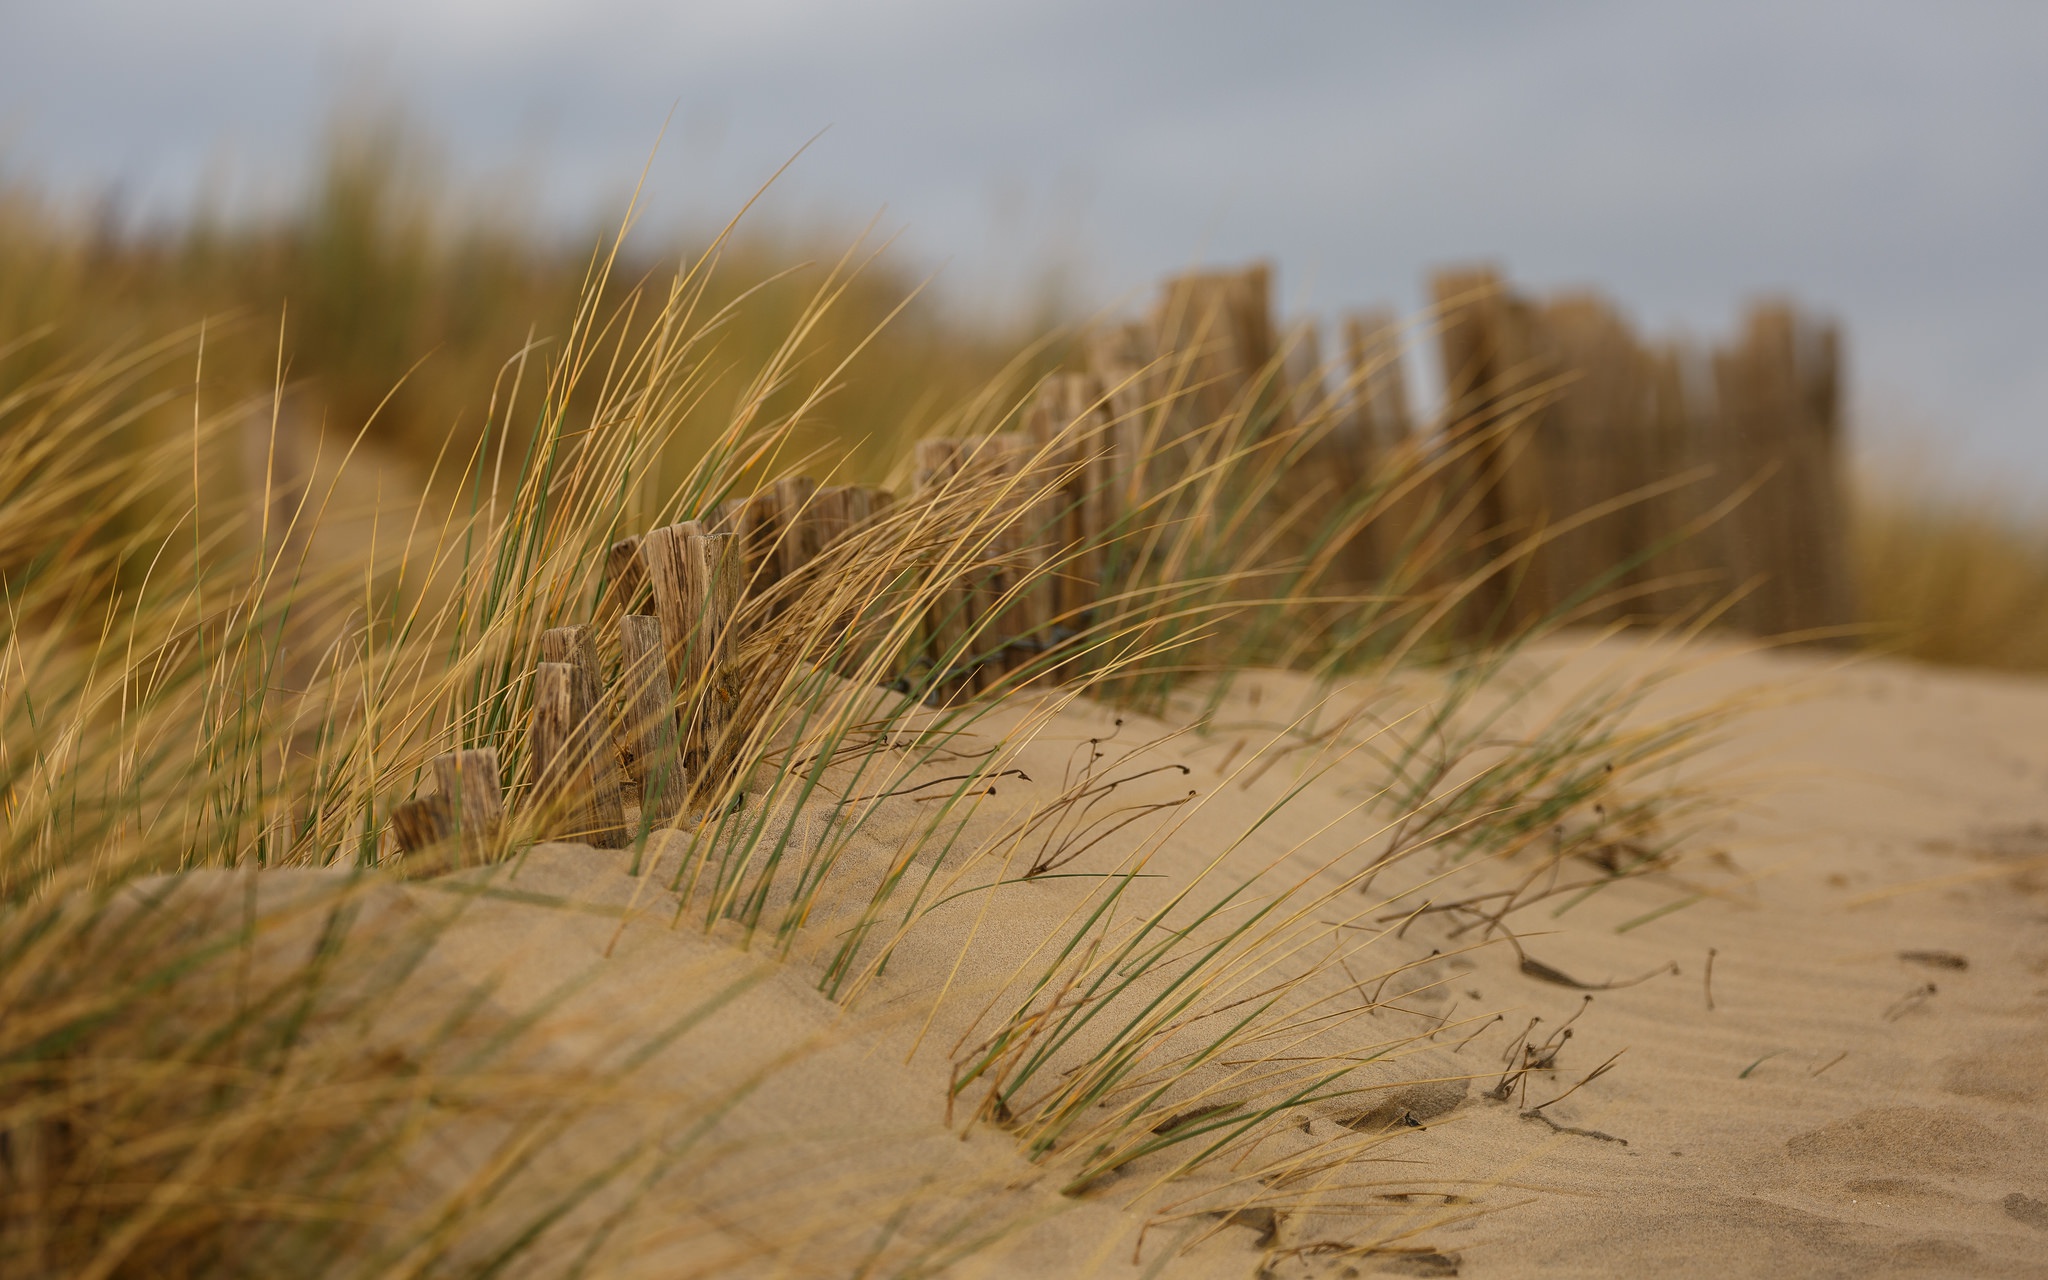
{"points": [[391, 300], [186, 687], [384, 300], [196, 681], [1951, 577]]}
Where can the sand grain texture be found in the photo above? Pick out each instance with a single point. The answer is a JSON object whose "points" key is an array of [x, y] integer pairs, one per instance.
{"points": [[1868, 1094], [1855, 1104]]}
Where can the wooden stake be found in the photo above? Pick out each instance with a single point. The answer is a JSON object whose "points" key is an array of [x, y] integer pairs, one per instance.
{"points": [[759, 529], [869, 501], [1088, 414], [1676, 445], [1753, 387], [1302, 379], [423, 823], [934, 463], [697, 584], [715, 579], [1379, 384], [797, 523], [576, 767], [573, 645], [650, 719], [830, 514], [560, 790], [661, 553], [1372, 444], [470, 781], [626, 580], [860, 504], [1493, 353], [1007, 455], [1220, 323], [1070, 427], [1601, 433]]}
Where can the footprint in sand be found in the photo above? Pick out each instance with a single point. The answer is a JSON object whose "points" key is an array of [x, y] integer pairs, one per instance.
{"points": [[2012, 1071], [1899, 1140], [1936, 1166], [2022, 1207]]}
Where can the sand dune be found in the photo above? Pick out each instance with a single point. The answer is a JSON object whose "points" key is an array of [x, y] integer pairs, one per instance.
{"points": [[1859, 1087], [1869, 1093]]}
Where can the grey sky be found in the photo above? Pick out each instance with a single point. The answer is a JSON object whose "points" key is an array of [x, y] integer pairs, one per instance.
{"points": [[1883, 160]]}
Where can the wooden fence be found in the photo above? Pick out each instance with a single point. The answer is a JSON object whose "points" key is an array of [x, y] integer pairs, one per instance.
{"points": [[1721, 465], [1650, 476], [1599, 475]]}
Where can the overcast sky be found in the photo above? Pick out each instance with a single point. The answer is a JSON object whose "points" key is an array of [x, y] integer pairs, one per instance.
{"points": [[1884, 161]]}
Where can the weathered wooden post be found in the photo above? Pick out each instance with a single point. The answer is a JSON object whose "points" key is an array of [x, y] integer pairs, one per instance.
{"points": [[1067, 427], [829, 515], [649, 722], [662, 554], [571, 759], [949, 620], [1600, 432], [796, 524], [1780, 415], [1380, 416], [1680, 417], [468, 803], [423, 822], [574, 648], [470, 780], [625, 581], [1218, 326], [1005, 596], [756, 524], [846, 508], [865, 502], [1494, 355], [697, 581], [1375, 449]]}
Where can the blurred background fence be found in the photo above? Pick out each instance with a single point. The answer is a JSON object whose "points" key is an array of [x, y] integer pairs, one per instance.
{"points": [[1572, 472], [1713, 469], [1589, 470]]}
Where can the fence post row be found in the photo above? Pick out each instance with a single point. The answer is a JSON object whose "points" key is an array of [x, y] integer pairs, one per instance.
{"points": [[1551, 408], [1606, 415]]}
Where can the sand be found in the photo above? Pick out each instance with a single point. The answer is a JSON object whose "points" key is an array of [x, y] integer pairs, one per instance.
{"points": [[1861, 1088], [1869, 1093]]}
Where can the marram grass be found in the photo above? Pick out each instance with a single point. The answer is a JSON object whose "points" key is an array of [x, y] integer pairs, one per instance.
{"points": [[208, 706]]}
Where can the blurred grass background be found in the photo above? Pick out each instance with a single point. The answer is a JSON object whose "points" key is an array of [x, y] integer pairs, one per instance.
{"points": [[386, 296], [1950, 572], [398, 301]]}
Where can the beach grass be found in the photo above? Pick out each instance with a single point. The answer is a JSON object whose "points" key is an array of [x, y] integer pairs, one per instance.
{"points": [[221, 677]]}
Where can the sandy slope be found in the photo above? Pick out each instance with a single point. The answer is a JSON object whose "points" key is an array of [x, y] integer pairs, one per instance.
{"points": [[1867, 1095], [1856, 1102]]}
